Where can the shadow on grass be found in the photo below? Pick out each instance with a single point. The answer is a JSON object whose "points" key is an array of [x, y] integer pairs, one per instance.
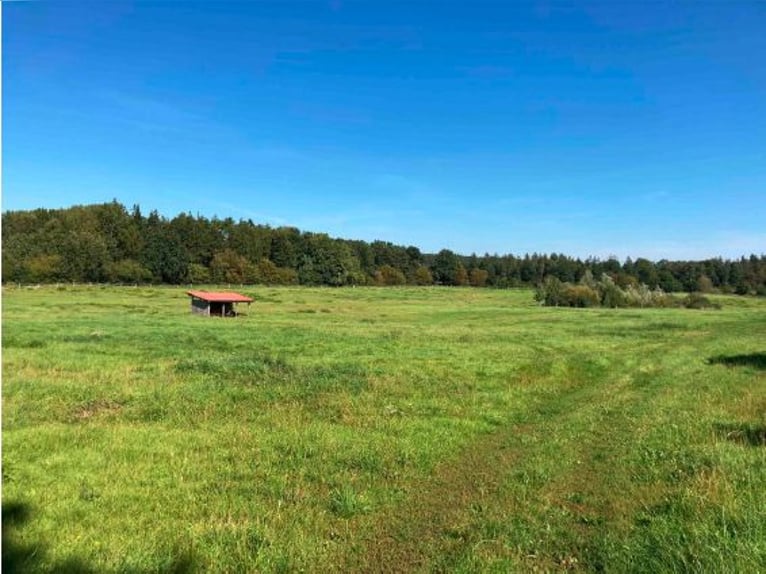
{"points": [[744, 434], [20, 558], [755, 360]]}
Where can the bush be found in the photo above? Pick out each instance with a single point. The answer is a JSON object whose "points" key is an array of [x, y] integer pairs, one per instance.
{"points": [[580, 296], [662, 299], [698, 301], [605, 292], [611, 295], [549, 292], [638, 296]]}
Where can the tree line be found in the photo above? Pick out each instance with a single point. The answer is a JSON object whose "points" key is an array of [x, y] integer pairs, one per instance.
{"points": [[109, 243]]}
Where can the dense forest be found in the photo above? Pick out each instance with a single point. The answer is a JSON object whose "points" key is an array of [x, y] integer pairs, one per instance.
{"points": [[109, 243]]}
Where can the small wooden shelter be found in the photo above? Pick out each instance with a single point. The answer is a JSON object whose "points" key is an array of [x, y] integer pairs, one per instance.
{"points": [[216, 304]]}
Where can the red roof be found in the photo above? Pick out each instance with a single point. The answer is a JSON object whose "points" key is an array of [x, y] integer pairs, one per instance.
{"points": [[220, 297]]}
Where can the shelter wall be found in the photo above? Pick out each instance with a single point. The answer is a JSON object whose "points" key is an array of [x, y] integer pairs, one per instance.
{"points": [[200, 307]]}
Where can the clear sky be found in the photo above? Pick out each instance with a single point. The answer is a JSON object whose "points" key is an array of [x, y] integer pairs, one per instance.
{"points": [[583, 128]]}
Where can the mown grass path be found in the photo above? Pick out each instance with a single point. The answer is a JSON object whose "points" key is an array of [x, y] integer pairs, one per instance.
{"points": [[434, 523], [454, 518]]}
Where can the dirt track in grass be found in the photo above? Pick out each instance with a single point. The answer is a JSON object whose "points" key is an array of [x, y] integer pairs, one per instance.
{"points": [[435, 522], [445, 518]]}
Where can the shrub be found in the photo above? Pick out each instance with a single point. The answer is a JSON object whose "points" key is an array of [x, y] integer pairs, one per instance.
{"points": [[605, 292], [611, 295], [638, 296], [580, 296], [549, 292], [698, 301], [662, 299]]}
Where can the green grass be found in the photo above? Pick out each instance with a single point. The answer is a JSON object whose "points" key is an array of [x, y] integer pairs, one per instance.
{"points": [[412, 429]]}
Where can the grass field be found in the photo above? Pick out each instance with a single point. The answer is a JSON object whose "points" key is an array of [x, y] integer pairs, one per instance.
{"points": [[398, 430]]}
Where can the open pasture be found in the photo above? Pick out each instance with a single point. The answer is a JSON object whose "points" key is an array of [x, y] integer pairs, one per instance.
{"points": [[373, 429]]}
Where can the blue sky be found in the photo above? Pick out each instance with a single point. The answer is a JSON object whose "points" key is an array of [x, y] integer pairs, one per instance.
{"points": [[604, 128]]}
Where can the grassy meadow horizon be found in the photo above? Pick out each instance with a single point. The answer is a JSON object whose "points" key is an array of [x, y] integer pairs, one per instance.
{"points": [[379, 429]]}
